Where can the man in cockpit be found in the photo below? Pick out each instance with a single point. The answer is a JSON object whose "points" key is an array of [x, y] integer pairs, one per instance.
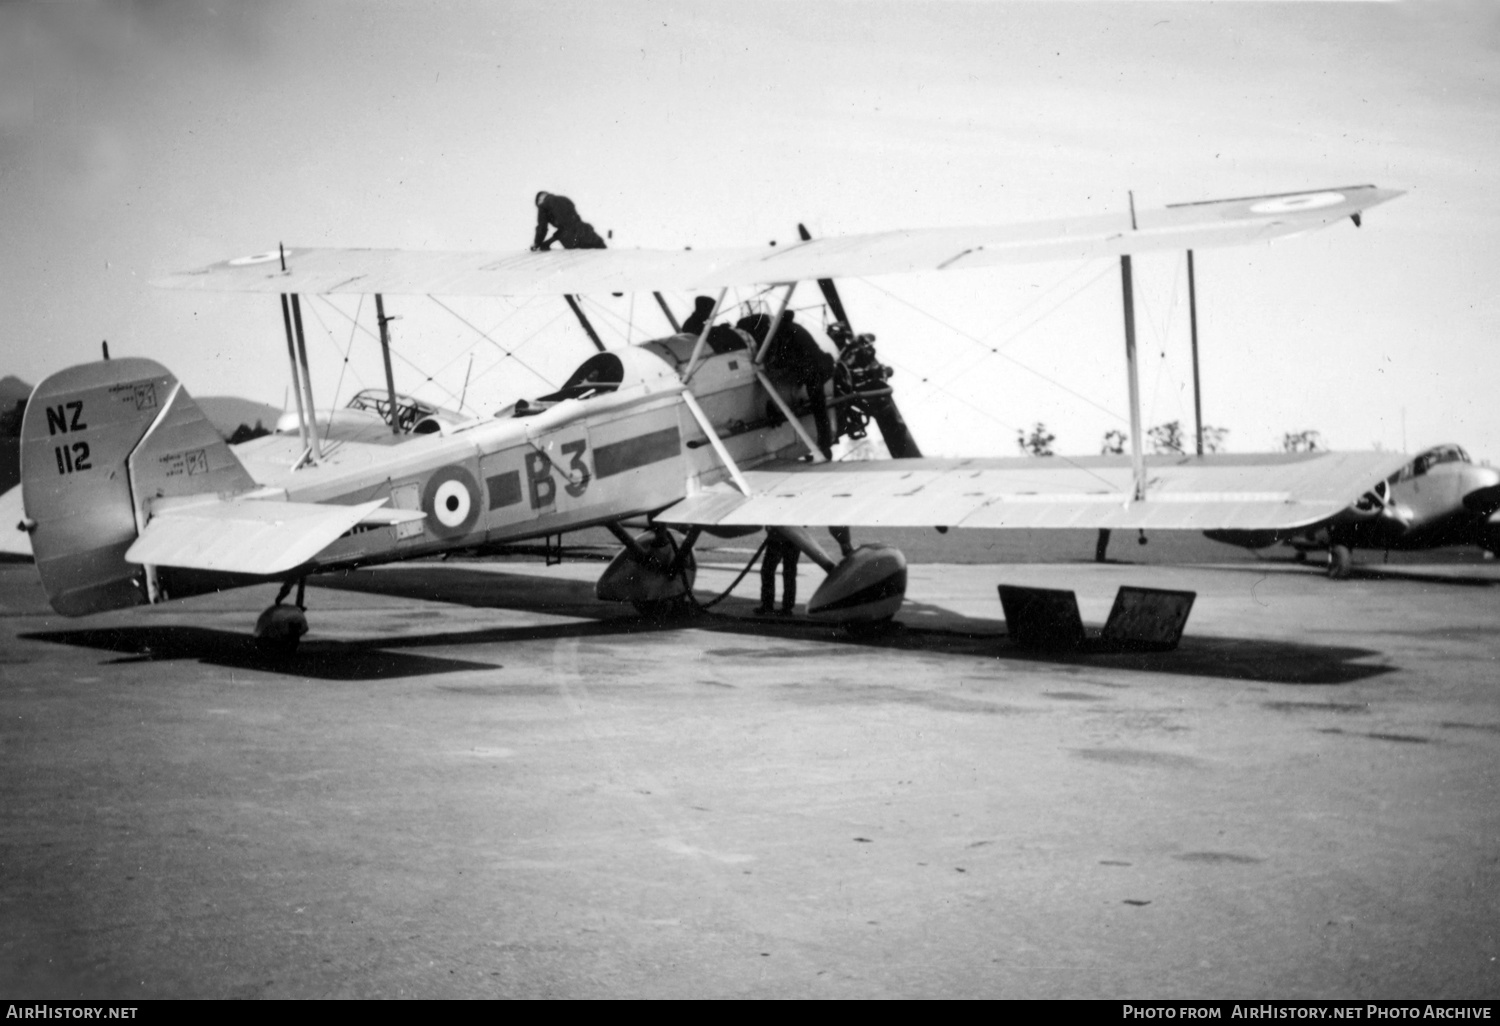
{"points": [[573, 232], [703, 309]]}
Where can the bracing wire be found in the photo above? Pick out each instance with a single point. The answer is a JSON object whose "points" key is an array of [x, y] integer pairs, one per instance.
{"points": [[995, 350], [501, 362], [609, 318], [348, 349], [1161, 330], [1021, 310], [509, 353], [426, 378]]}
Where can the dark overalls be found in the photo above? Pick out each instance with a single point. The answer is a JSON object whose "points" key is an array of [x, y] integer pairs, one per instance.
{"points": [[572, 231], [778, 550]]}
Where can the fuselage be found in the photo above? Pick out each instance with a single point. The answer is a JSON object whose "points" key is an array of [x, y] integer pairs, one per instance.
{"points": [[1425, 505], [619, 440]]}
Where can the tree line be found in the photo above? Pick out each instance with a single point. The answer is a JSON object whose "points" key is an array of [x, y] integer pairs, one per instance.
{"points": [[1165, 438]]}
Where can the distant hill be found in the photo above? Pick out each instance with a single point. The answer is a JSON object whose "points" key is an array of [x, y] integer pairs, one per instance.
{"points": [[12, 392]]}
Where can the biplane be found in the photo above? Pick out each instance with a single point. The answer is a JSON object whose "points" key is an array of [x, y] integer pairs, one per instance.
{"points": [[131, 497]]}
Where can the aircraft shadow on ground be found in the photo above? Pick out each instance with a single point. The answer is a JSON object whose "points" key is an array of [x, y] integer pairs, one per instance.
{"points": [[321, 660], [926, 628], [379, 657]]}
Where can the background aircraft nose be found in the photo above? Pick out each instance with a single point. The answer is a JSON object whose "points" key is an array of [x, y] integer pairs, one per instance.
{"points": [[1482, 490]]}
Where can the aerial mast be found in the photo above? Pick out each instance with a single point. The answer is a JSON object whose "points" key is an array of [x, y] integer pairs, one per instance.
{"points": [[385, 353]]}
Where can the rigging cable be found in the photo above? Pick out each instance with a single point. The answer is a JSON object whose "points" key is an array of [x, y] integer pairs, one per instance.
{"points": [[941, 387], [995, 349], [501, 362], [426, 378], [344, 356], [509, 353]]}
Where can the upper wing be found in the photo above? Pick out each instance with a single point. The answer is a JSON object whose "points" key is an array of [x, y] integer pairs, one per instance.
{"points": [[510, 273], [251, 536], [1231, 492]]}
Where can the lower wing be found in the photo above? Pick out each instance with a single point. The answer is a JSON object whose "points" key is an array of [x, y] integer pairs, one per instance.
{"points": [[1197, 493]]}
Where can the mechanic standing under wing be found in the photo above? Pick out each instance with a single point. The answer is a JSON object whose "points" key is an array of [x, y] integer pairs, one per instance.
{"points": [[573, 232], [778, 550]]}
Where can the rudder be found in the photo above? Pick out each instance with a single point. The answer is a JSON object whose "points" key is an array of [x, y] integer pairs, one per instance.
{"points": [[99, 443]]}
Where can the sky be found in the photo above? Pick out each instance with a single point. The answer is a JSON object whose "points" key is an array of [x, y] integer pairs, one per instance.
{"points": [[138, 139]]}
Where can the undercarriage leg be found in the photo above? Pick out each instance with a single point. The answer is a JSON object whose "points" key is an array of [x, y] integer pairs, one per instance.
{"points": [[280, 627]]}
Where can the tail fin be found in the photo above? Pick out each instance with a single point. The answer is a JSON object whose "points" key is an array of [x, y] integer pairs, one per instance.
{"points": [[99, 442]]}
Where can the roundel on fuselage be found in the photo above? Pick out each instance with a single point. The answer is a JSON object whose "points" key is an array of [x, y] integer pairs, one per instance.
{"points": [[451, 502]]}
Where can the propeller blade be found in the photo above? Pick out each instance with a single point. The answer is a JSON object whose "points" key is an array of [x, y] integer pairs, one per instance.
{"points": [[830, 291], [898, 440]]}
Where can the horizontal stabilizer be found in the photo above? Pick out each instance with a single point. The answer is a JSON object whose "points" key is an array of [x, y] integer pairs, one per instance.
{"points": [[1197, 493], [323, 271], [249, 536]]}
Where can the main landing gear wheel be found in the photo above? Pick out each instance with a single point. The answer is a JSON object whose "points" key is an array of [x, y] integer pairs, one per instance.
{"points": [[674, 607], [279, 630]]}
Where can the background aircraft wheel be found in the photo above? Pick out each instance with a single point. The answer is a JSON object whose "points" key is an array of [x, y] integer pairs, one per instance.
{"points": [[1340, 559], [1300, 556]]}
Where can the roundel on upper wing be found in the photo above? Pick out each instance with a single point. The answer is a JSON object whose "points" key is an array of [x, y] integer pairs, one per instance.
{"points": [[1290, 204], [259, 258], [451, 502]]}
